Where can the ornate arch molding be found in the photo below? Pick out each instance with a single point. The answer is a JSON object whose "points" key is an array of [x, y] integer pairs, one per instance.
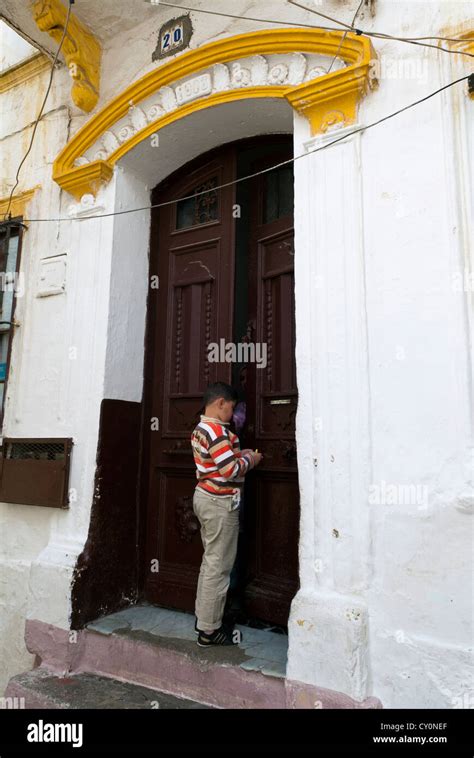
{"points": [[281, 63]]}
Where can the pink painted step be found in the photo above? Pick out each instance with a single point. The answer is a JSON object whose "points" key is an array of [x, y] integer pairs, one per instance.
{"points": [[176, 667]]}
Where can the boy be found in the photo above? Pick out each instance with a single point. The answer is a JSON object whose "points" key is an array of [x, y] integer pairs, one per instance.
{"points": [[221, 468]]}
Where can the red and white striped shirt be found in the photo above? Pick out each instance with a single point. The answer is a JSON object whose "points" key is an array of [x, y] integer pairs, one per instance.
{"points": [[218, 458]]}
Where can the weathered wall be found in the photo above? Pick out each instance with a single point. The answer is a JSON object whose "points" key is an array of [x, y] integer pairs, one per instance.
{"points": [[385, 379], [385, 399]]}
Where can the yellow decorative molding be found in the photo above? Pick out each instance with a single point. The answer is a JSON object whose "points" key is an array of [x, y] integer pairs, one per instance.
{"points": [[81, 50], [334, 103], [324, 100], [19, 202], [87, 179], [24, 71], [462, 34], [464, 42]]}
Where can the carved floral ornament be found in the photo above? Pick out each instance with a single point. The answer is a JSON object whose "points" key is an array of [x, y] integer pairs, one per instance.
{"points": [[288, 63]]}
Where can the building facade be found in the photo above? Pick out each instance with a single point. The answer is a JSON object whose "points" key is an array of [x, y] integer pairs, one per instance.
{"points": [[353, 268]]}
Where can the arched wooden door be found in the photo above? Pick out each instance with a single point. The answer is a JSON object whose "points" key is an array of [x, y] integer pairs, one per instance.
{"points": [[224, 262]]}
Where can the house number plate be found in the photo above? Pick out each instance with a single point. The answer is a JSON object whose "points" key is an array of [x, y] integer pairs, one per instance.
{"points": [[175, 35]]}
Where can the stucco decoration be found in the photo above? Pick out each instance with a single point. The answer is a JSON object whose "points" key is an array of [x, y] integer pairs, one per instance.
{"points": [[85, 207], [24, 71], [281, 63], [81, 50], [18, 203], [464, 44]]}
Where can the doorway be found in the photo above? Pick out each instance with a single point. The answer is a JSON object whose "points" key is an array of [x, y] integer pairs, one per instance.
{"points": [[223, 262]]}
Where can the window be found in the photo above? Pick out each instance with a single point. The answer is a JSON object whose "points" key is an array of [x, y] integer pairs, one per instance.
{"points": [[279, 197], [201, 209], [10, 242]]}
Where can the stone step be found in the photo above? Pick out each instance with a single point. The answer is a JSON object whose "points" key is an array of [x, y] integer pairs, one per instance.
{"points": [[156, 648], [40, 688]]}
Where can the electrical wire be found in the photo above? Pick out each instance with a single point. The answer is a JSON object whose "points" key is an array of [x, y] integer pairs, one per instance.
{"points": [[350, 27], [380, 35], [7, 214], [377, 35], [344, 37], [264, 171]]}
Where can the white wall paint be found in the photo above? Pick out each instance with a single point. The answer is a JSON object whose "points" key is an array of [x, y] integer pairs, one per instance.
{"points": [[128, 291]]}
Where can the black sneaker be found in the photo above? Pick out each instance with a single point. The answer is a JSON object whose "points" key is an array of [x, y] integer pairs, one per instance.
{"points": [[226, 625], [221, 636]]}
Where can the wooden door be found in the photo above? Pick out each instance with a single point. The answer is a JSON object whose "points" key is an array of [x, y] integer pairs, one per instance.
{"points": [[272, 518], [193, 252]]}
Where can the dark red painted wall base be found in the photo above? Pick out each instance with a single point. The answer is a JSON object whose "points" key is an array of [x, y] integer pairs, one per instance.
{"points": [[105, 576]]}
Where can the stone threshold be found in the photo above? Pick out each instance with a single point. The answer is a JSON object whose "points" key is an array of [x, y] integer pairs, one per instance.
{"points": [[156, 648]]}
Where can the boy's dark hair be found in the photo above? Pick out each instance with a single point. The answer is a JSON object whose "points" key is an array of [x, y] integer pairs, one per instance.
{"points": [[218, 390]]}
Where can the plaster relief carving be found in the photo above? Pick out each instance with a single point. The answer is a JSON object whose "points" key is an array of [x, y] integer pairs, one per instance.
{"points": [[241, 77], [298, 76], [332, 120], [315, 72], [80, 48], [198, 86], [84, 207], [155, 112], [137, 117], [221, 77], [259, 70], [110, 142], [168, 99], [125, 133], [278, 74], [297, 69]]}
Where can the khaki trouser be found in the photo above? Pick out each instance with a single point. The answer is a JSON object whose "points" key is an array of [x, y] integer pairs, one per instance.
{"points": [[219, 534]]}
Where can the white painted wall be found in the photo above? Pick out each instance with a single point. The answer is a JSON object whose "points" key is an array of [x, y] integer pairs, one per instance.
{"points": [[409, 578], [384, 357]]}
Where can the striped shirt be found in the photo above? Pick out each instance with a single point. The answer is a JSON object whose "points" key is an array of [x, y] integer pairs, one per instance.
{"points": [[218, 458]]}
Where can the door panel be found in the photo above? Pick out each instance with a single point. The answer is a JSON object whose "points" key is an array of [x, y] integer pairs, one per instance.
{"points": [[273, 535], [192, 251]]}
